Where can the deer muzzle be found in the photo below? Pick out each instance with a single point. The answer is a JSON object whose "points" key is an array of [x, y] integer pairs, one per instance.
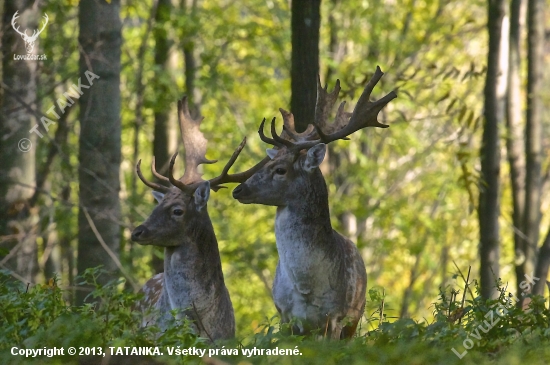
{"points": [[242, 194], [140, 234]]}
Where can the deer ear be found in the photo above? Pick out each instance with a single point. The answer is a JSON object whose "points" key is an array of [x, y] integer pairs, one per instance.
{"points": [[201, 195], [315, 155], [158, 196], [271, 152]]}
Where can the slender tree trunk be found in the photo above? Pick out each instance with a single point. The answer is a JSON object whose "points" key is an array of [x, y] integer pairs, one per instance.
{"points": [[140, 95], [162, 107], [18, 220], [533, 132], [190, 70], [543, 263], [533, 145], [495, 106], [337, 50], [99, 146], [514, 137], [190, 62], [306, 19]]}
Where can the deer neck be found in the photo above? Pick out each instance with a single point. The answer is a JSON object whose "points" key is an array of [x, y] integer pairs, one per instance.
{"points": [[305, 221], [192, 271]]}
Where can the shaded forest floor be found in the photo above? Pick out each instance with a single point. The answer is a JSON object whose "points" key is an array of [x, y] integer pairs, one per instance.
{"points": [[461, 332]]}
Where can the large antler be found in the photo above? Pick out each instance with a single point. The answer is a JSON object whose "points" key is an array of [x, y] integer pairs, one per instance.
{"points": [[224, 177], [194, 143], [195, 154], [365, 114], [152, 185]]}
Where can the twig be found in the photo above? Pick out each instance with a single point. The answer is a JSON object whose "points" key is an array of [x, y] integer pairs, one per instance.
{"points": [[382, 307], [450, 303], [466, 287], [10, 237], [462, 276], [464, 294], [108, 250], [14, 250], [16, 275]]}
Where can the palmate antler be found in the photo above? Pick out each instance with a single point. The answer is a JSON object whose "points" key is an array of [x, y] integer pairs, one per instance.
{"points": [[195, 155], [365, 114]]}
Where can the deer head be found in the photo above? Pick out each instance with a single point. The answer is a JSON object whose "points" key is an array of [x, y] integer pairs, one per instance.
{"points": [[293, 166], [29, 40], [184, 203]]}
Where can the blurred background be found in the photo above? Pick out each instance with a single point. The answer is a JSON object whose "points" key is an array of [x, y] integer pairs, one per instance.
{"points": [[416, 198]]}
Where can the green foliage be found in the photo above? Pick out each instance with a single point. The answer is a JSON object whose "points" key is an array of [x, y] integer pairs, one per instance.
{"points": [[500, 332], [407, 189], [405, 194], [39, 317]]}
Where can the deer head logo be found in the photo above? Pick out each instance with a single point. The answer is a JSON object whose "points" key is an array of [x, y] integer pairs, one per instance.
{"points": [[29, 40]]}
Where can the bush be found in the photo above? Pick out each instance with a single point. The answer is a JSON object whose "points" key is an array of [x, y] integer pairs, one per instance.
{"points": [[478, 331]]}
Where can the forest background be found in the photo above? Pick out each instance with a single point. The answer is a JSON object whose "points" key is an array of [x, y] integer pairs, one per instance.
{"points": [[459, 179]]}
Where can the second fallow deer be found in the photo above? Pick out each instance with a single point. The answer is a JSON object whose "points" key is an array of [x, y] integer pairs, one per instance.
{"points": [[193, 279], [320, 278]]}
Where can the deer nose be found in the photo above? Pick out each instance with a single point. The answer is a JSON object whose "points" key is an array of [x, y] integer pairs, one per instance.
{"points": [[238, 191], [139, 233]]}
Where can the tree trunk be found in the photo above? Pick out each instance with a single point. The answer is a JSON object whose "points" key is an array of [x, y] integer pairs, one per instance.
{"points": [[190, 62], [533, 132], [495, 99], [18, 221], [306, 19], [162, 111], [514, 137], [533, 145], [543, 263], [99, 145]]}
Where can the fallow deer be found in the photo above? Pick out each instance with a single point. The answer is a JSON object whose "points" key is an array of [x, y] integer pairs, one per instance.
{"points": [[193, 279], [320, 277]]}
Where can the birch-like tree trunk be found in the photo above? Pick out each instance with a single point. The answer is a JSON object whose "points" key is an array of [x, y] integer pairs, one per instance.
{"points": [[533, 144], [495, 107], [514, 135], [18, 109]]}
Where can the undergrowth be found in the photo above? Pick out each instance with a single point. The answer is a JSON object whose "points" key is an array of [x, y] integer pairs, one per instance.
{"points": [[462, 331]]}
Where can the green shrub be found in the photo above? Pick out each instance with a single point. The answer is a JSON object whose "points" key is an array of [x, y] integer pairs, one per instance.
{"points": [[497, 330]]}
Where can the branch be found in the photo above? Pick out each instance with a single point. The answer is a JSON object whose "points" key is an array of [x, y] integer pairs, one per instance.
{"points": [[108, 250]]}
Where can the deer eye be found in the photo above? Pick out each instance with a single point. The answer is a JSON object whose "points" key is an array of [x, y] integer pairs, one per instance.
{"points": [[280, 171], [178, 212]]}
